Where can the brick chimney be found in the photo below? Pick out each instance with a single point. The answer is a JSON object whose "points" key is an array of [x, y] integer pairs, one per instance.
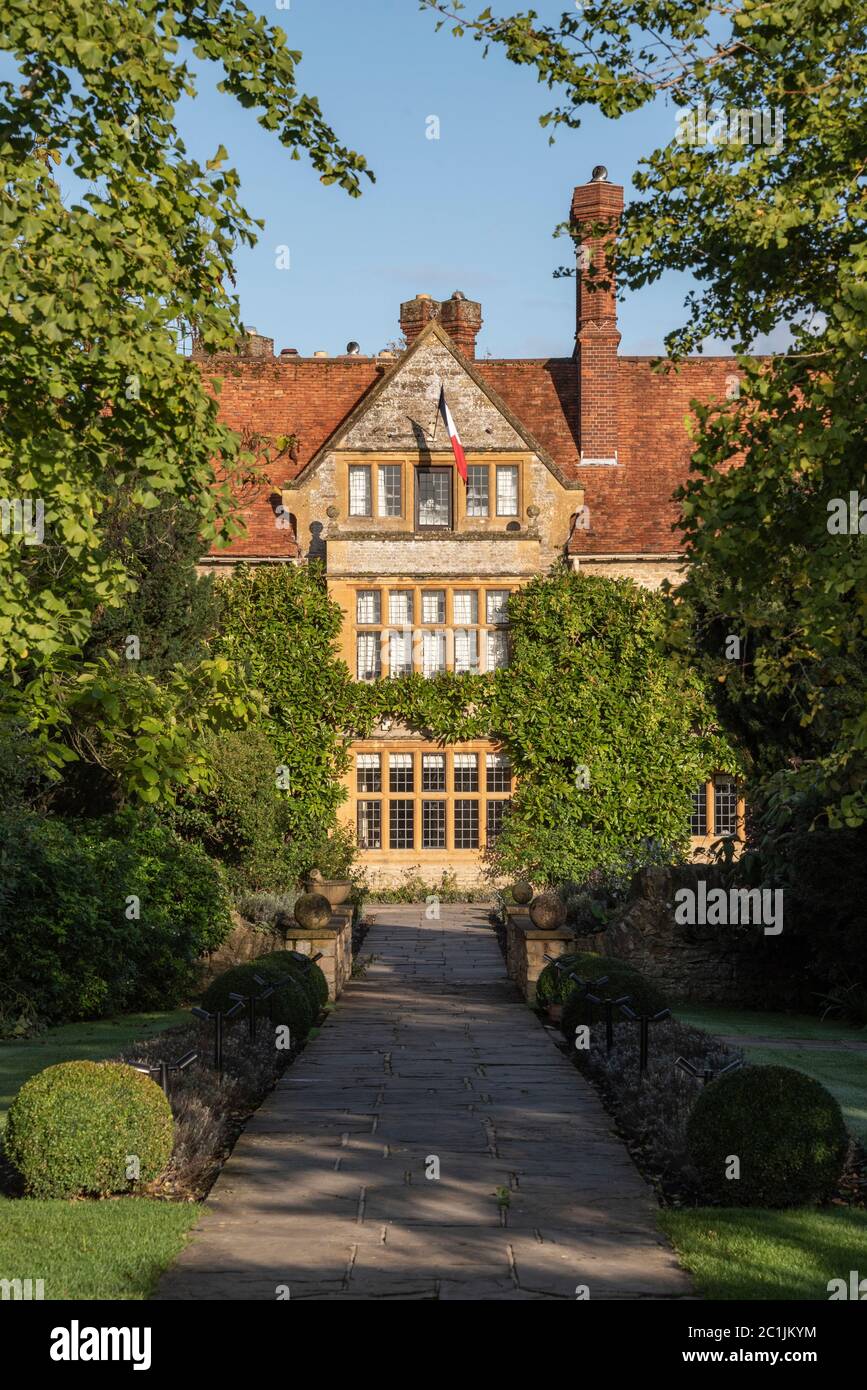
{"points": [[415, 314], [459, 316], [596, 207], [462, 319]]}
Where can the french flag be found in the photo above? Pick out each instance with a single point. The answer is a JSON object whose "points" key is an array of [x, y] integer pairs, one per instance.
{"points": [[452, 431]]}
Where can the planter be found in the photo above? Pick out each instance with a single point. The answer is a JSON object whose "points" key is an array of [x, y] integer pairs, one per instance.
{"points": [[522, 892], [555, 1012], [548, 912], [336, 890]]}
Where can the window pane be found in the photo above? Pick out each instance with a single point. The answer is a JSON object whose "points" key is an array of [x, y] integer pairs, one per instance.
{"points": [[499, 772], [368, 772], [433, 606], [507, 490], [466, 825], [367, 606], [401, 824], [466, 772], [466, 606], [466, 649], [496, 810], [400, 652], [433, 825], [369, 665], [400, 778], [496, 649], [725, 795], [389, 490], [698, 815], [433, 653], [497, 601], [433, 772], [434, 496], [400, 607], [370, 825], [477, 489], [359, 490]]}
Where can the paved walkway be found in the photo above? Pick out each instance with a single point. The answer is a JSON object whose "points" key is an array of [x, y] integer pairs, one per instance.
{"points": [[432, 1056]]}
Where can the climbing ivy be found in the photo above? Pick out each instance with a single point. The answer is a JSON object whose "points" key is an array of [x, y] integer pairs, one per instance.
{"points": [[607, 732]]}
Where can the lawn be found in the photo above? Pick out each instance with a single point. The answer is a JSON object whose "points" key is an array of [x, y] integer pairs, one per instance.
{"points": [[75, 1042], [754, 1254], [842, 1070], [92, 1250], [755, 1023]]}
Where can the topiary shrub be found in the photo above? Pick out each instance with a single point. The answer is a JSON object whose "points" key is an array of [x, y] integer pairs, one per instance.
{"points": [[644, 995], [73, 1129], [311, 977], [785, 1128], [289, 1005]]}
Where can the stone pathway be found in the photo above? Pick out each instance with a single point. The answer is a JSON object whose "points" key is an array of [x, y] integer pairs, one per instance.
{"points": [[432, 1056]]}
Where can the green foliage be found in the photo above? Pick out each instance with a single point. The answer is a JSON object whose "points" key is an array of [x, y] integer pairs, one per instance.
{"points": [[281, 628], [73, 1128], [590, 688], [822, 954], [785, 1128], [773, 230], [68, 944], [645, 997], [290, 1004], [115, 246], [310, 976], [240, 818]]}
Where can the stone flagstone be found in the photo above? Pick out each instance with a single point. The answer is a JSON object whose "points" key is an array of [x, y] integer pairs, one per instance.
{"points": [[431, 1058]]}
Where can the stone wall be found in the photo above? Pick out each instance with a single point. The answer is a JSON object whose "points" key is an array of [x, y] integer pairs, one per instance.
{"points": [[246, 943], [526, 948], [702, 963]]}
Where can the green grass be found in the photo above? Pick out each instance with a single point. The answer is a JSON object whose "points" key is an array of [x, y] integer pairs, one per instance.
{"points": [[75, 1042], [92, 1250], [756, 1023], [752, 1254], [843, 1072]]}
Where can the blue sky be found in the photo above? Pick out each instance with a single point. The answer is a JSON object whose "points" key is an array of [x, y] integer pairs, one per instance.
{"points": [[474, 210]]}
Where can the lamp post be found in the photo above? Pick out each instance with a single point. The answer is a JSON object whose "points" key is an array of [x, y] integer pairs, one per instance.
{"points": [[644, 1021], [707, 1074], [164, 1070]]}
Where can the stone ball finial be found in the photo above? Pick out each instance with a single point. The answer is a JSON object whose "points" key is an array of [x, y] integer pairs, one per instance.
{"points": [[312, 911], [548, 912], [522, 892]]}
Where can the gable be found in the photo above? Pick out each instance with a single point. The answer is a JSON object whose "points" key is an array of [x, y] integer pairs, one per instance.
{"points": [[401, 413]]}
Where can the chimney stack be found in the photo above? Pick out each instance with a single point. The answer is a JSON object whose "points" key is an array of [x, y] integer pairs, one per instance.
{"points": [[459, 316], [462, 319], [596, 210]]}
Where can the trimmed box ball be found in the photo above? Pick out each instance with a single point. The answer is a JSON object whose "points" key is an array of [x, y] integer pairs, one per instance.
{"points": [[645, 996], [74, 1129], [786, 1129], [289, 1005], [311, 976]]}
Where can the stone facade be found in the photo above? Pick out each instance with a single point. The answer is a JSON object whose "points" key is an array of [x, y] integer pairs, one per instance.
{"points": [[575, 456]]}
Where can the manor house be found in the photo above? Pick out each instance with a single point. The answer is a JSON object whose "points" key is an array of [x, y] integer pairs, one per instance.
{"points": [[574, 456]]}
